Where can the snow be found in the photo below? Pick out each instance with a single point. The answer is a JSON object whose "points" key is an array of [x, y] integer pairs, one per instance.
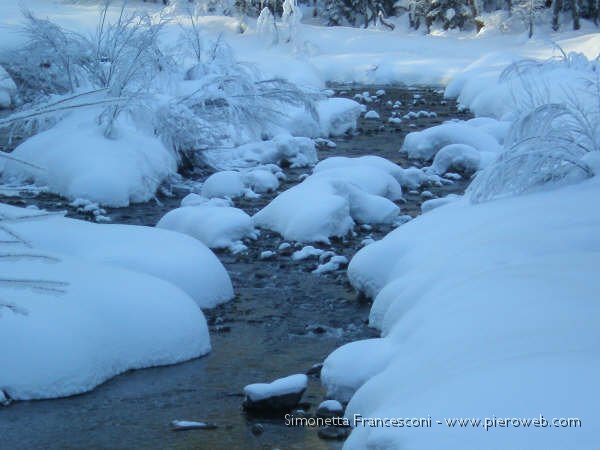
{"points": [[297, 151], [501, 284], [350, 366], [307, 251], [411, 177], [333, 264], [329, 202], [214, 226], [70, 322], [227, 183], [108, 320], [266, 254], [371, 115], [288, 385], [284, 246], [426, 143], [433, 203], [113, 172], [230, 184], [173, 257], [331, 405], [457, 157], [262, 179], [337, 115]]}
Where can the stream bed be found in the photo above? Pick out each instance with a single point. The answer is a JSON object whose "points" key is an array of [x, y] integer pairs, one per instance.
{"points": [[283, 320]]}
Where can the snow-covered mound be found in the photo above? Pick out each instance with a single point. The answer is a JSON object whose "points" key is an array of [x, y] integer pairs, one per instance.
{"points": [[459, 157], [216, 226], [231, 183], [224, 184], [426, 143], [485, 310], [330, 201], [68, 324], [410, 178], [338, 115], [75, 160], [173, 257], [296, 151], [8, 89]]}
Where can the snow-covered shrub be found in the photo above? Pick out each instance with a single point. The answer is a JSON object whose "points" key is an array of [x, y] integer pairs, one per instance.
{"points": [[291, 17], [110, 71], [266, 26], [224, 103], [548, 144], [220, 104]]}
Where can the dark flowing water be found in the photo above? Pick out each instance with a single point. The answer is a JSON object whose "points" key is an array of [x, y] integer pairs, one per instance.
{"points": [[283, 320]]}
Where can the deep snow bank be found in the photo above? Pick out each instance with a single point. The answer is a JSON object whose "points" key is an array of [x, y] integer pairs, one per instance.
{"points": [[97, 321], [489, 310], [81, 302], [173, 257], [75, 160]]}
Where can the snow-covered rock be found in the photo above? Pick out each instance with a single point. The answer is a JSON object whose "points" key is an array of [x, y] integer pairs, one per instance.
{"points": [[426, 143], [309, 212], [227, 183], [75, 160], [307, 251], [371, 115], [333, 264], [458, 157], [214, 226], [329, 408], [296, 151], [261, 180], [330, 201], [173, 257], [282, 394], [338, 115]]}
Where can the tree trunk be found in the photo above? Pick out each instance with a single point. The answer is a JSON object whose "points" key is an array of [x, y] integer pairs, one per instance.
{"points": [[556, 8], [575, 10]]}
